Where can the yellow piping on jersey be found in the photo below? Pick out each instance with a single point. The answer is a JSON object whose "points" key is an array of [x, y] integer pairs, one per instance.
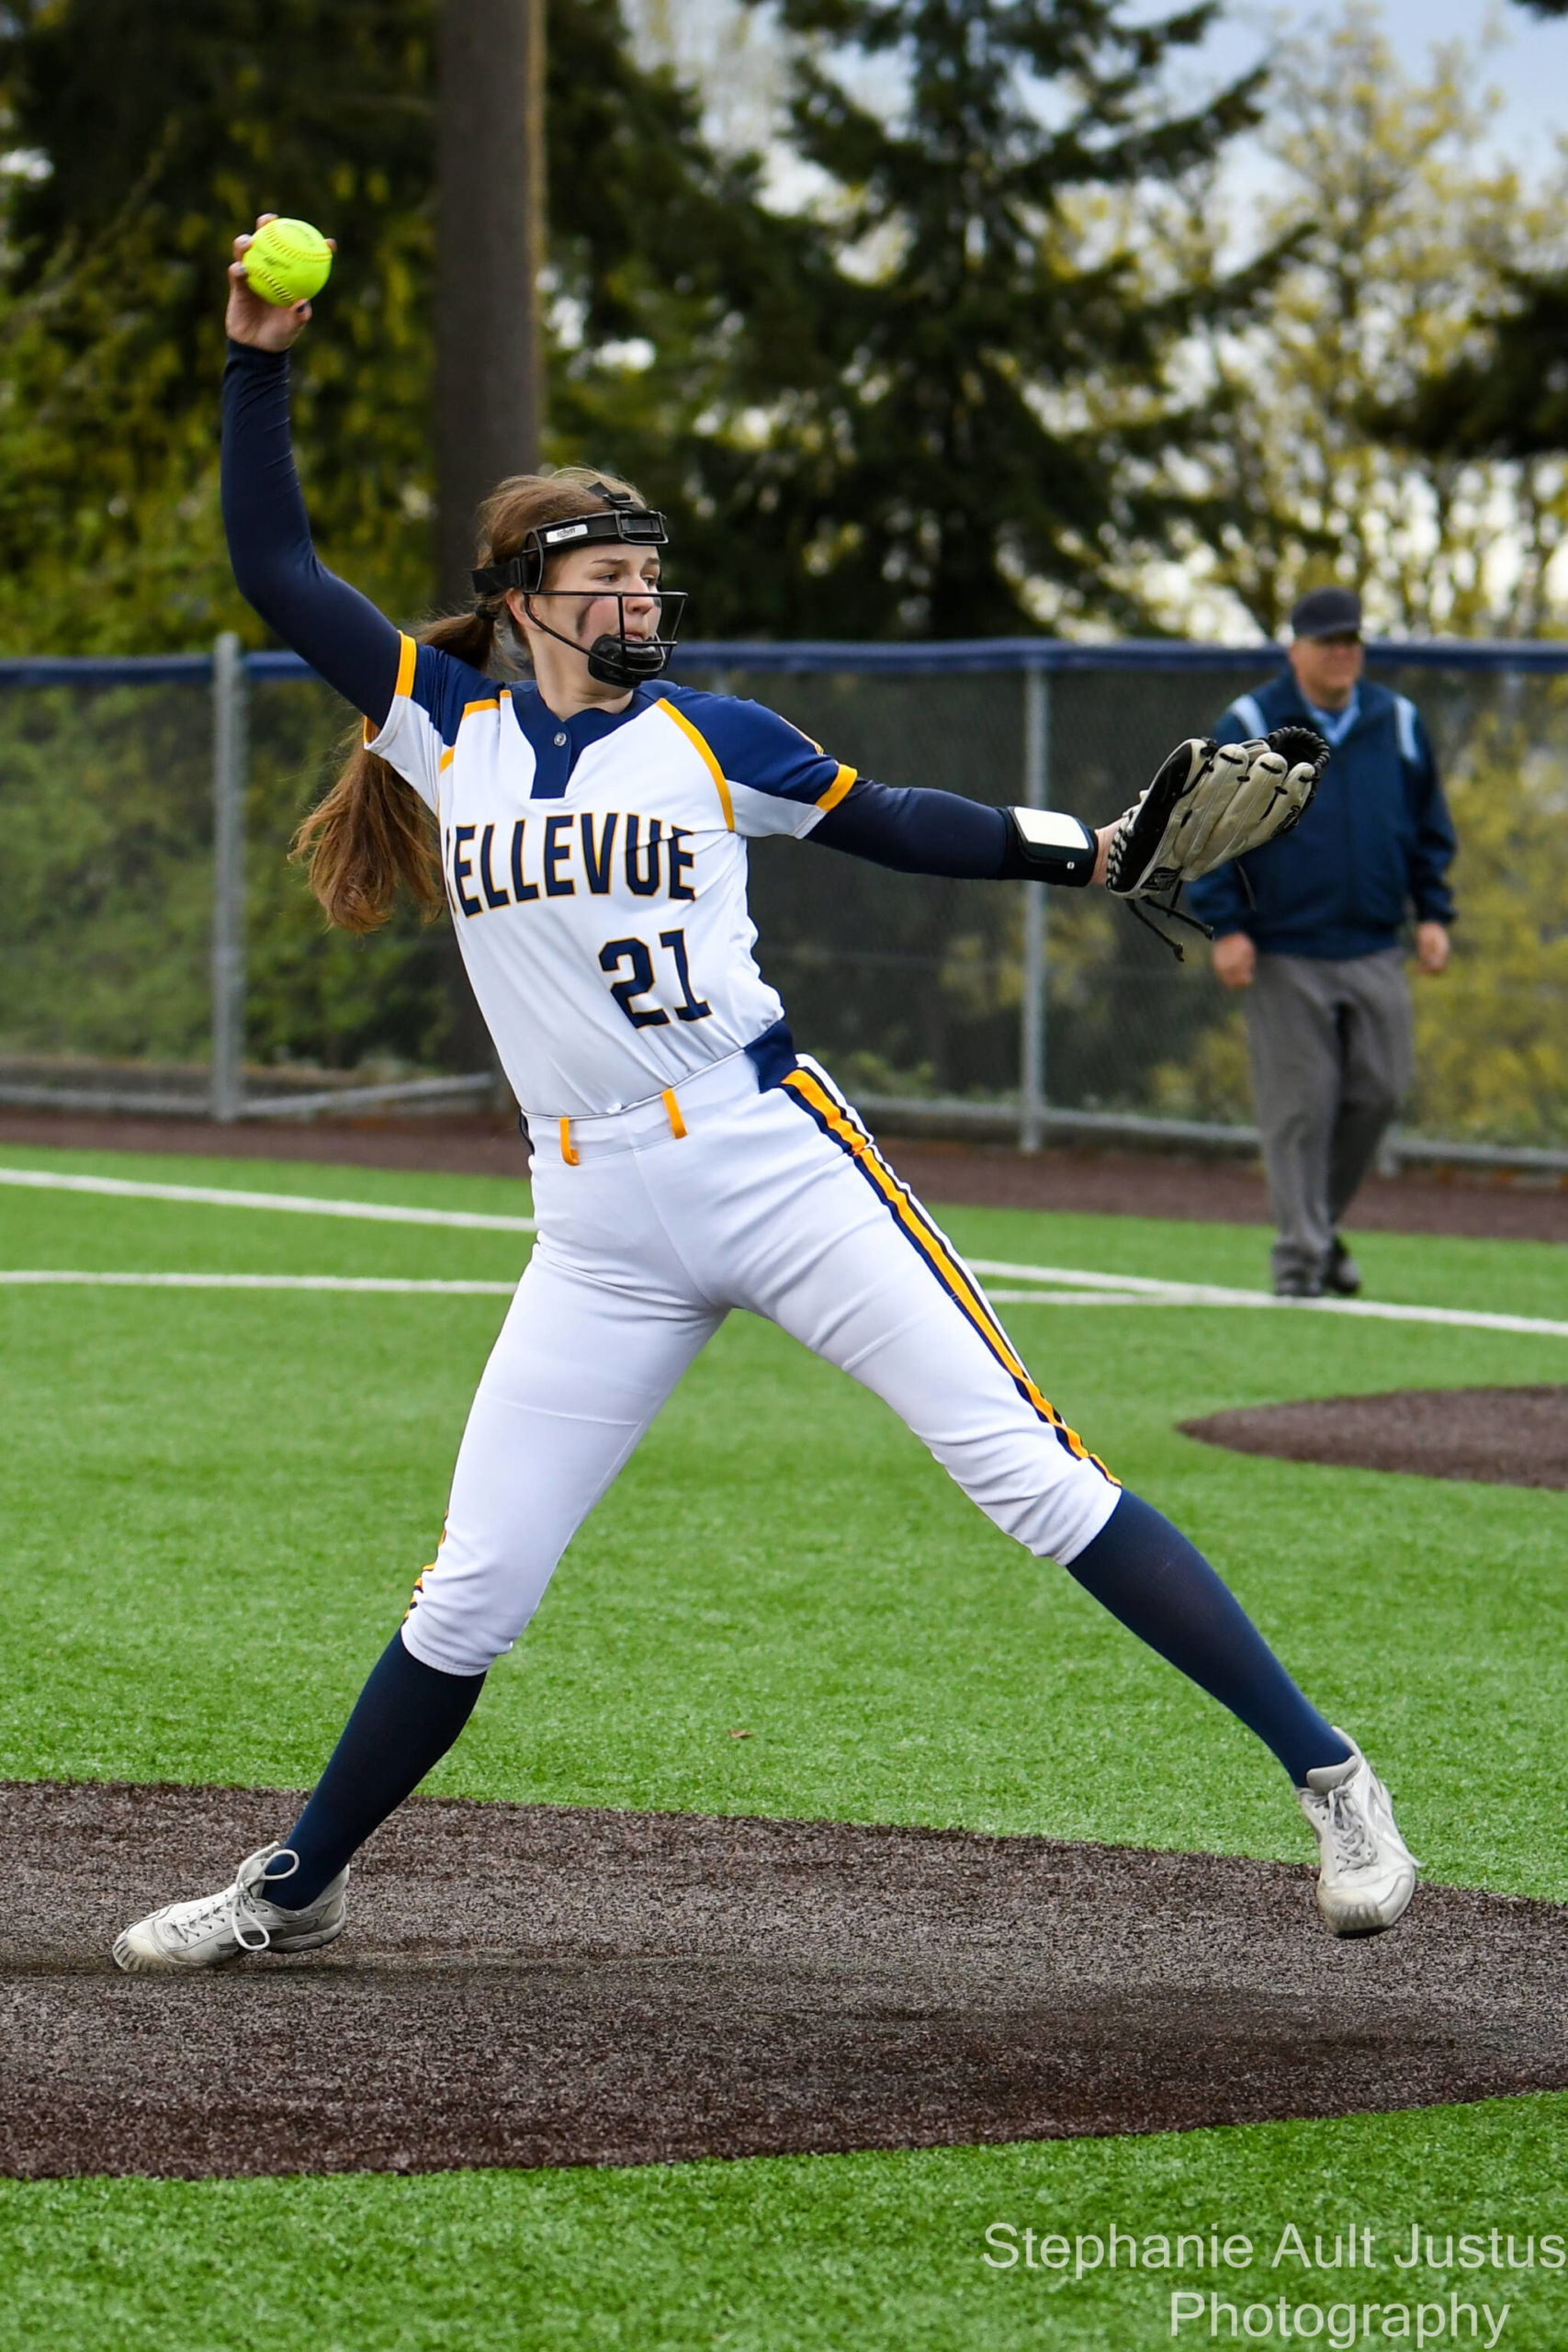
{"points": [[407, 653], [568, 1151], [685, 724], [450, 754], [672, 1111], [837, 789]]}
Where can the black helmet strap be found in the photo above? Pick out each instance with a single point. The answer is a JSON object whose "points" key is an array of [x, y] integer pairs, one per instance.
{"points": [[615, 657], [619, 518]]}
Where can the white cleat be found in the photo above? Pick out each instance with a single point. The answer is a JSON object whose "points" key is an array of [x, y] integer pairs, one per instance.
{"points": [[1369, 1873], [218, 1929]]}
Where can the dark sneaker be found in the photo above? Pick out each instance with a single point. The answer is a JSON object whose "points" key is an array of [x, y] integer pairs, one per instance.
{"points": [[1342, 1275], [1297, 1287]]}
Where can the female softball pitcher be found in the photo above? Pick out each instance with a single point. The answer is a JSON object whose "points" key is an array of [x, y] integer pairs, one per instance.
{"points": [[589, 837]]}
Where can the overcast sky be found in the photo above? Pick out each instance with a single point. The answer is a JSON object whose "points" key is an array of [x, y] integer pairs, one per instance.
{"points": [[1528, 64]]}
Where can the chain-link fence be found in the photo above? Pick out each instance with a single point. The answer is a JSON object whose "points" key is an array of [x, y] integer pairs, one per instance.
{"points": [[160, 950]]}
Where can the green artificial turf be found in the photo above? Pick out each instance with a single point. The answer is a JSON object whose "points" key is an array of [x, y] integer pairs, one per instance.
{"points": [[216, 1503], [215, 1495], [815, 2254]]}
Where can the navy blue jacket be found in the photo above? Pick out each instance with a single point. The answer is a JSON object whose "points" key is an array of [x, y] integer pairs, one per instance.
{"points": [[1377, 840]]}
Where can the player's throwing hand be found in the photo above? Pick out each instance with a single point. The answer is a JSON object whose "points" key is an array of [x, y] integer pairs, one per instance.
{"points": [[267, 326]]}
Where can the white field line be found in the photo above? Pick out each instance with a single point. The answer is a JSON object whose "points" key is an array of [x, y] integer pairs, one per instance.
{"points": [[1077, 1299], [1078, 1285], [1079, 1280], [293, 1204], [41, 1277], [1150, 1294], [1127, 1290]]}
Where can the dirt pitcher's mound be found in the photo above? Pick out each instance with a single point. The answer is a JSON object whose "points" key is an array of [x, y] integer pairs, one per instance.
{"points": [[1511, 1436], [521, 1986]]}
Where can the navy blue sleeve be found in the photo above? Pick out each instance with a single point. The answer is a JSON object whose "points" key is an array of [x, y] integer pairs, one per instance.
{"points": [[755, 747], [1435, 840], [917, 832], [338, 631]]}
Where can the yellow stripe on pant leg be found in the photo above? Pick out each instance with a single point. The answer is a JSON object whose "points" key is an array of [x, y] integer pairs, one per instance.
{"points": [[935, 1249], [932, 1241]]}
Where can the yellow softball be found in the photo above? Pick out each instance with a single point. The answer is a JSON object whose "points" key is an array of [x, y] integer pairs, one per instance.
{"points": [[288, 262]]}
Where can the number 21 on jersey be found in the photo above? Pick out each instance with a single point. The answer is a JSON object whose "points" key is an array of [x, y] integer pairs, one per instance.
{"points": [[635, 955]]}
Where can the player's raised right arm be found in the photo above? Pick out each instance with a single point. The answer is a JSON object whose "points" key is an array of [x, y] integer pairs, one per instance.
{"points": [[338, 631]]}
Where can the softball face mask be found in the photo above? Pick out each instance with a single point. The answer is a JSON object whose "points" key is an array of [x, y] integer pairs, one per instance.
{"points": [[618, 657]]}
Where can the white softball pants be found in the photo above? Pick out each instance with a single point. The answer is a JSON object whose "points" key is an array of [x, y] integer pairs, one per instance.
{"points": [[666, 1216]]}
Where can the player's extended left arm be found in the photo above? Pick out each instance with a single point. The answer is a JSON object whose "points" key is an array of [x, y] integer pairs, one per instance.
{"points": [[916, 832], [1209, 804]]}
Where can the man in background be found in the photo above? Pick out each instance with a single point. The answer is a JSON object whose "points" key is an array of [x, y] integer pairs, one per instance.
{"points": [[1310, 927]]}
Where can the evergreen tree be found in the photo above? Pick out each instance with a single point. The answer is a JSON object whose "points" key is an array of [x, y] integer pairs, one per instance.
{"points": [[903, 447], [1509, 398], [1506, 399], [940, 464]]}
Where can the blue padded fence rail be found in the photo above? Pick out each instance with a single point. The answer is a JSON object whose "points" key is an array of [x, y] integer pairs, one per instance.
{"points": [[1542, 656], [119, 670]]}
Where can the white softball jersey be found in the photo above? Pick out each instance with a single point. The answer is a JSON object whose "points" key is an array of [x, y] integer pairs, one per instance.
{"points": [[596, 867]]}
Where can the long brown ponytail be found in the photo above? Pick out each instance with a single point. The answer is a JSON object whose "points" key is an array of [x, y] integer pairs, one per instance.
{"points": [[372, 830]]}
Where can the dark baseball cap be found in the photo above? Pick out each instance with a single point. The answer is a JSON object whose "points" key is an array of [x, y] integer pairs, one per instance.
{"points": [[1327, 612]]}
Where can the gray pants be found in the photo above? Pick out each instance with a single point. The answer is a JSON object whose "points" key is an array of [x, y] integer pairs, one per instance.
{"points": [[1330, 1045]]}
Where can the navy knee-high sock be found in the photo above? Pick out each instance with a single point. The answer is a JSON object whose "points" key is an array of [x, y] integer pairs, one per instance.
{"points": [[1146, 1572], [404, 1719]]}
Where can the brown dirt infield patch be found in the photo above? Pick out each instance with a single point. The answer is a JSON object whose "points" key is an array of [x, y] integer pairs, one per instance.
{"points": [[524, 1985], [1508, 1437]]}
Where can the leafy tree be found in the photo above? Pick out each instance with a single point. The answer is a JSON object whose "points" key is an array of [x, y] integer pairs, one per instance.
{"points": [[921, 407], [1401, 236], [1507, 395], [110, 351], [111, 332], [105, 946], [1492, 1035]]}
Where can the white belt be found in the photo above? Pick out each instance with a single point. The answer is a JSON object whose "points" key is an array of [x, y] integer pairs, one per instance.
{"points": [[665, 1117]]}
